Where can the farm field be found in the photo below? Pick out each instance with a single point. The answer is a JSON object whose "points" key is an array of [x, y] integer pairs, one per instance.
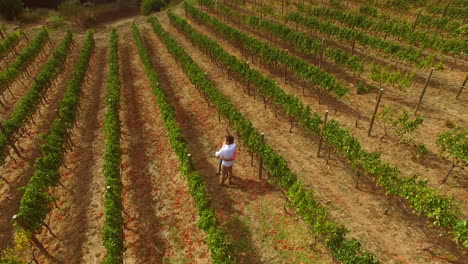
{"points": [[350, 119]]}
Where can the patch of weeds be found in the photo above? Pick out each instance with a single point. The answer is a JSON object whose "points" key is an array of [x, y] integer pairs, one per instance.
{"points": [[422, 150], [363, 88], [55, 22]]}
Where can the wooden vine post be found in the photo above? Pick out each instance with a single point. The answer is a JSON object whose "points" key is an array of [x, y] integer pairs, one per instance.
{"points": [[10, 143], [322, 51], [260, 162], [462, 87], [416, 20], [445, 9], [189, 158], [321, 133], [375, 112], [423, 91]]}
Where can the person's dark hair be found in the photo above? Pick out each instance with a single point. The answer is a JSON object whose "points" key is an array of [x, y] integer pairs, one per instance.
{"points": [[229, 139]]}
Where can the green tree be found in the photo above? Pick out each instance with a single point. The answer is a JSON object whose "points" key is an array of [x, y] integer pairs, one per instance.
{"points": [[11, 9], [148, 6]]}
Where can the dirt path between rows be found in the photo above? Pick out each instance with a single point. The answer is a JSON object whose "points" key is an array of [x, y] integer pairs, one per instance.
{"points": [[78, 222], [262, 226], [18, 174], [161, 222], [403, 156], [397, 236]]}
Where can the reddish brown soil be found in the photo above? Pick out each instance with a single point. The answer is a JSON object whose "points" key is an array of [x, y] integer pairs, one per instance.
{"points": [[362, 211], [18, 174]]}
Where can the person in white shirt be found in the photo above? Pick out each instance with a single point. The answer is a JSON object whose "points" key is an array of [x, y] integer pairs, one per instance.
{"points": [[227, 153]]}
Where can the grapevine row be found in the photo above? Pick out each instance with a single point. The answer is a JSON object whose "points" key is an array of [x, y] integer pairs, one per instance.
{"points": [[273, 55], [423, 199], [410, 54], [302, 42], [441, 23], [112, 230], [27, 56], [27, 106], [309, 46], [217, 237], [453, 46], [10, 41], [452, 9], [36, 201], [346, 250]]}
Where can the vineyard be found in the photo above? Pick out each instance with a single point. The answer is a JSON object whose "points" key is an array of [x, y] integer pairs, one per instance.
{"points": [[350, 120]]}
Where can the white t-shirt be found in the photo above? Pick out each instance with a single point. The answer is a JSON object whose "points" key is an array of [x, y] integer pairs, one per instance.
{"points": [[229, 152]]}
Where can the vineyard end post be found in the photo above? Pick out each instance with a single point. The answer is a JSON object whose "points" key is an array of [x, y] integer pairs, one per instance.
{"points": [[375, 112], [189, 157], [416, 20], [423, 91], [260, 163], [462, 87], [321, 133]]}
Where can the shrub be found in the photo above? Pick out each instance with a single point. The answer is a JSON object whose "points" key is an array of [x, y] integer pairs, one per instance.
{"points": [[81, 15], [70, 8], [148, 6], [10, 9]]}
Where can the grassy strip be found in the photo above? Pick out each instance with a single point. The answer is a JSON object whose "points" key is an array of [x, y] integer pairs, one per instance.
{"points": [[36, 201], [347, 250], [112, 230], [217, 241], [423, 199], [27, 106]]}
